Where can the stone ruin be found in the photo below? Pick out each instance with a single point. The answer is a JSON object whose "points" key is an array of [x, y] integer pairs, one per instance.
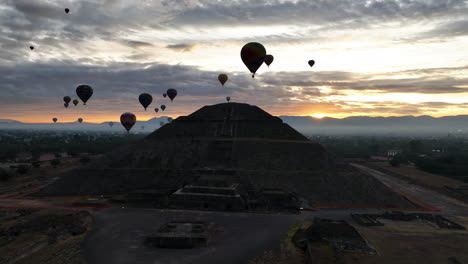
{"points": [[181, 234]]}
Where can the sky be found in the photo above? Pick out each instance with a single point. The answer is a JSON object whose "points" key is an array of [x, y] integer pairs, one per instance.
{"points": [[374, 58]]}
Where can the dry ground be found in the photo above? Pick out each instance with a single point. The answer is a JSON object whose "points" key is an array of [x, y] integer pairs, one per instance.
{"points": [[25, 238], [414, 173], [416, 244]]}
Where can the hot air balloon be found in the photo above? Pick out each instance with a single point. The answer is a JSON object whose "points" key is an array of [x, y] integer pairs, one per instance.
{"points": [[80, 120], [169, 119], [31, 47], [156, 110], [84, 92], [161, 123], [163, 107], [145, 99], [75, 102], [268, 59], [128, 120], [164, 95], [66, 105], [172, 93], [67, 10], [111, 124], [67, 99], [311, 63], [253, 55], [228, 98], [54, 119], [222, 78]]}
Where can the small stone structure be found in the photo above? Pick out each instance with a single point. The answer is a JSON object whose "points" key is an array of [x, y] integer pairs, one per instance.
{"points": [[181, 234], [210, 193]]}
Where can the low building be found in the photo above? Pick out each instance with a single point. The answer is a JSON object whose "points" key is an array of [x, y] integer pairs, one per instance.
{"points": [[393, 152]]}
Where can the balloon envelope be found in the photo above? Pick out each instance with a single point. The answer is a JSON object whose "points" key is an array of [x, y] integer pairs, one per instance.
{"points": [[54, 119], [75, 102], [163, 107], [67, 99], [268, 59], [228, 98], [311, 63], [111, 124], [145, 99], [66, 105], [172, 93], [84, 92], [156, 110], [80, 120], [253, 55], [164, 95], [127, 120], [67, 10], [222, 78]]}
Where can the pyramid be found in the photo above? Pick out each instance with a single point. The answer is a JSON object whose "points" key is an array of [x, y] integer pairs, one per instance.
{"points": [[234, 140]]}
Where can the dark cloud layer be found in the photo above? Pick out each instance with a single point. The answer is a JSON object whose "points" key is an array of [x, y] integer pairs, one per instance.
{"points": [[55, 33]]}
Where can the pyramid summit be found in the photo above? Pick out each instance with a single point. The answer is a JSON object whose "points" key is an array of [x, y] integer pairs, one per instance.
{"points": [[238, 147], [229, 120]]}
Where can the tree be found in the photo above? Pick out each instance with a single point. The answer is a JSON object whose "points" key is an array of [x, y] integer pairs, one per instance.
{"points": [[55, 163], [395, 161], [5, 174], [22, 169], [85, 160]]}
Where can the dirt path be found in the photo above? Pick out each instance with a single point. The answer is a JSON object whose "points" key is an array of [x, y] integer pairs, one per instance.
{"points": [[417, 193]]}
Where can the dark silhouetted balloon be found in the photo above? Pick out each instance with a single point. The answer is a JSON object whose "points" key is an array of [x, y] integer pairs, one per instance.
{"points": [[66, 105], [111, 124], [80, 120], [222, 78], [67, 99], [54, 119], [31, 47], [311, 63], [128, 120], [169, 119], [75, 102], [171, 93], [84, 92], [67, 10], [163, 107], [268, 59], [253, 55], [164, 95], [156, 110], [228, 98], [145, 99]]}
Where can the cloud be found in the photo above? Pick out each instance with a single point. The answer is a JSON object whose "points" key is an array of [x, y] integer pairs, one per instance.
{"points": [[137, 44], [183, 47], [446, 30], [444, 83]]}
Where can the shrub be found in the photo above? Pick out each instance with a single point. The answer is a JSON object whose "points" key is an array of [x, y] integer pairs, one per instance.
{"points": [[5, 174], [85, 160], [55, 163], [22, 169]]}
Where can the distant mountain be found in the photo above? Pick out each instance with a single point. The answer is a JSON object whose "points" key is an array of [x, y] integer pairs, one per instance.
{"points": [[401, 125], [140, 126], [9, 121], [362, 125]]}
